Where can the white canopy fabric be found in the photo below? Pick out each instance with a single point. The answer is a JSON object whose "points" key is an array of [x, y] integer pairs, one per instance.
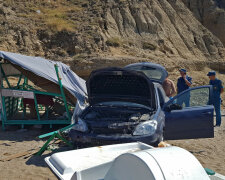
{"points": [[45, 68]]}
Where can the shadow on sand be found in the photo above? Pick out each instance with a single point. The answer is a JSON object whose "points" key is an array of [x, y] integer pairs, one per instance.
{"points": [[29, 133], [39, 160]]}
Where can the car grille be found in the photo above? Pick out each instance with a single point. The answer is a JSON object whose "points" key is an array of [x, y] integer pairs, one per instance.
{"points": [[114, 120], [108, 129]]}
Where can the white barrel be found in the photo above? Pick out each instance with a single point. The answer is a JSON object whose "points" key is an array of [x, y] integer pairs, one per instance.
{"points": [[170, 163]]}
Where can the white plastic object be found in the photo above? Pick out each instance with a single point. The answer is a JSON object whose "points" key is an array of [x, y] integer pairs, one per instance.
{"points": [[167, 163], [89, 163]]}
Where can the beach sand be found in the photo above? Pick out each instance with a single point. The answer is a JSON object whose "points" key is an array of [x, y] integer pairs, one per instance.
{"points": [[33, 167], [210, 152]]}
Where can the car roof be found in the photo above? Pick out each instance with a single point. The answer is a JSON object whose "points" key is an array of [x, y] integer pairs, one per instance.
{"points": [[150, 64]]}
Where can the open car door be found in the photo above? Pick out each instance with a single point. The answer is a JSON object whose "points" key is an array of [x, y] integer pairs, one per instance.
{"points": [[189, 115]]}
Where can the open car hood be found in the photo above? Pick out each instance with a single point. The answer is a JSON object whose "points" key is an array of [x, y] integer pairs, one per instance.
{"points": [[154, 72], [117, 84]]}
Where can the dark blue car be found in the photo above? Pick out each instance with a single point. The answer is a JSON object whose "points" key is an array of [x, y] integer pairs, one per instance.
{"points": [[129, 104]]}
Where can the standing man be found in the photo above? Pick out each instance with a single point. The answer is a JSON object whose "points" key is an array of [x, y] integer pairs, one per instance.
{"points": [[217, 91], [183, 83], [169, 87]]}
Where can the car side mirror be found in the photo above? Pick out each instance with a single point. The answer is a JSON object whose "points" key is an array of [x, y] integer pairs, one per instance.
{"points": [[171, 107]]}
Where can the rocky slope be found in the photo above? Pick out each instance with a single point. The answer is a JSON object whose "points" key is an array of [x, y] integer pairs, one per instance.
{"points": [[88, 34], [211, 13]]}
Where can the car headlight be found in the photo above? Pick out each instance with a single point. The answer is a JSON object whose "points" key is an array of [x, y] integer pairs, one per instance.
{"points": [[80, 126], [146, 128]]}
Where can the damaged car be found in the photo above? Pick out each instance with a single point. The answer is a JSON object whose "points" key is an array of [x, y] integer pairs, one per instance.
{"points": [[129, 104]]}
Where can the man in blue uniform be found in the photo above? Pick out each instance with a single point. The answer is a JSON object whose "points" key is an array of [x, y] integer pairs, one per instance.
{"points": [[183, 83], [217, 90]]}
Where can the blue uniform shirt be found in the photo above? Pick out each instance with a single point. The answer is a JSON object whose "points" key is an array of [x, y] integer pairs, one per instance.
{"points": [[181, 84], [217, 86]]}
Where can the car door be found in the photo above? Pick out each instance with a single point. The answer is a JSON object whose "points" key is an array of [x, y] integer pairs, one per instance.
{"points": [[189, 115]]}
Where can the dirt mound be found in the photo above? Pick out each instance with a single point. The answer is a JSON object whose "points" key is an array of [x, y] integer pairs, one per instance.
{"points": [[92, 34]]}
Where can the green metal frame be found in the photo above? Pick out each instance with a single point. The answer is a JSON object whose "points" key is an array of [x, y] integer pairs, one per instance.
{"points": [[53, 135], [10, 105]]}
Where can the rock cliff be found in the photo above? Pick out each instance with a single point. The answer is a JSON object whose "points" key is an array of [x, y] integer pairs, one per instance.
{"points": [[211, 13], [88, 34]]}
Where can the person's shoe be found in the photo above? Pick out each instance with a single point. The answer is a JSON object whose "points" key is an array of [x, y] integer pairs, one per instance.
{"points": [[217, 125]]}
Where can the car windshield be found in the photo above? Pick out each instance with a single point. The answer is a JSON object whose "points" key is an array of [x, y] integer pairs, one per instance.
{"points": [[150, 72], [123, 104]]}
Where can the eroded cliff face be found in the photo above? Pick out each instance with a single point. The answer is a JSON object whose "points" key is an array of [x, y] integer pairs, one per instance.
{"points": [[167, 25], [162, 31], [211, 13], [89, 34]]}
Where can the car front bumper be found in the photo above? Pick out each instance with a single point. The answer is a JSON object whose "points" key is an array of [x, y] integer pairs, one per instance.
{"points": [[80, 137]]}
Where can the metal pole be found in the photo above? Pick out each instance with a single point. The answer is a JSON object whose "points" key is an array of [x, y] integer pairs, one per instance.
{"points": [[36, 107], [1, 100], [62, 91], [6, 79]]}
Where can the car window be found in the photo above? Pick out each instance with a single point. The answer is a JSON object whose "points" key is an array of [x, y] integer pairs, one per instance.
{"points": [[194, 97], [150, 72], [161, 98]]}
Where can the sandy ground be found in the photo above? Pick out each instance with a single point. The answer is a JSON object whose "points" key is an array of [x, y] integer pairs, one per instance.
{"points": [[29, 167], [210, 152]]}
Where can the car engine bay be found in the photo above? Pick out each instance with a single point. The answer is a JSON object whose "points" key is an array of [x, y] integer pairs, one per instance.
{"points": [[115, 119]]}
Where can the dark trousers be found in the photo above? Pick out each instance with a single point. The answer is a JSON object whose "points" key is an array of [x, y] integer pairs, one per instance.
{"points": [[217, 104]]}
